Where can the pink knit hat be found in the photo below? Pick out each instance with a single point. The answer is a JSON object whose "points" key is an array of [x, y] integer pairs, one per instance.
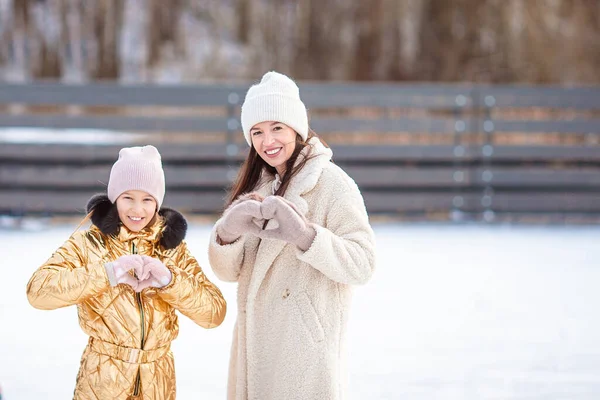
{"points": [[138, 168]]}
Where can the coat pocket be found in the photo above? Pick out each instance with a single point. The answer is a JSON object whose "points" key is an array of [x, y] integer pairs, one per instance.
{"points": [[309, 317]]}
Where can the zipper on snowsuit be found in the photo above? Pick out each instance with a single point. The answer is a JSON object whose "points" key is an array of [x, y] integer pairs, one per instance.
{"points": [[138, 298]]}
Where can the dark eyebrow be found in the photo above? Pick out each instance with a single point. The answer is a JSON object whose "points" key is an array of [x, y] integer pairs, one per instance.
{"points": [[272, 123]]}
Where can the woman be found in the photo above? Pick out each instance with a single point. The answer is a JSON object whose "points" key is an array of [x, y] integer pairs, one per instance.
{"points": [[295, 237]]}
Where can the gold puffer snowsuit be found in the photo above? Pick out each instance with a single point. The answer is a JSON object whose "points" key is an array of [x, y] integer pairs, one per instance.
{"points": [[128, 355]]}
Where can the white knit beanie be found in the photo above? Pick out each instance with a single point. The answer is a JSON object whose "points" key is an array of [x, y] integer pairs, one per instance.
{"points": [[138, 168], [275, 98]]}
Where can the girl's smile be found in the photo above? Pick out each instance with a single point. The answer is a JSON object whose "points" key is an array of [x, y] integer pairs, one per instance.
{"points": [[136, 209]]}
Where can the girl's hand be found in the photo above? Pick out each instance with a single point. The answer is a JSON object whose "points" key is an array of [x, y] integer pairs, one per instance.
{"points": [[118, 270], [158, 274], [128, 280]]}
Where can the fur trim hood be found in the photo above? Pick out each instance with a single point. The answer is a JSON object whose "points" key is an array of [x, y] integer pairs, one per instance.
{"points": [[106, 218]]}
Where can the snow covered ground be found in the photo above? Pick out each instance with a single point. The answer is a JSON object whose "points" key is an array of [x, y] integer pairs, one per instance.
{"points": [[453, 312]]}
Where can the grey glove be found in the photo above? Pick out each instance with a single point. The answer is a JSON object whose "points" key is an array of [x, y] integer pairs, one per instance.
{"points": [[243, 216], [293, 227]]}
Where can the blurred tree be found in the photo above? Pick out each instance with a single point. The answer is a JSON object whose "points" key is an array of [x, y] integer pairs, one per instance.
{"points": [[242, 11], [107, 27], [392, 43], [449, 41], [162, 29], [368, 30], [20, 32], [424, 40], [313, 54]]}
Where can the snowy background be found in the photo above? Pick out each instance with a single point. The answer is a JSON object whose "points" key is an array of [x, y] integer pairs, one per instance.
{"points": [[453, 312]]}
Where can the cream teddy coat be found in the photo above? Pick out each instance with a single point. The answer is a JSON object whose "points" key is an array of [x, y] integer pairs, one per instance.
{"points": [[288, 341]]}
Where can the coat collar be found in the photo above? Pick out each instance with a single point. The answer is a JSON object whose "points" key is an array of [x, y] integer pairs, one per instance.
{"points": [[309, 175], [304, 181], [169, 228], [149, 233]]}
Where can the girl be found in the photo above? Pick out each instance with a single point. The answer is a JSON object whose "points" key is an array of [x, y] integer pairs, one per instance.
{"points": [[295, 245], [127, 275]]}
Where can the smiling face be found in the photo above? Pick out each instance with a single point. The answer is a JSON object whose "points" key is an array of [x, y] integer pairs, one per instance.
{"points": [[136, 209], [274, 142]]}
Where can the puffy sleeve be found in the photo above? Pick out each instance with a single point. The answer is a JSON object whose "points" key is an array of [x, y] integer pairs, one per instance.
{"points": [[344, 247], [226, 260], [69, 276], [191, 292]]}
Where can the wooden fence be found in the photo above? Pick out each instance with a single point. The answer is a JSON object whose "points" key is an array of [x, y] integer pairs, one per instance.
{"points": [[421, 150]]}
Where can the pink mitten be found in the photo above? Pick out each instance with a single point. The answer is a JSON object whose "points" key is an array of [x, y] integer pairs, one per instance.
{"points": [[293, 227], [158, 274], [128, 280], [121, 267]]}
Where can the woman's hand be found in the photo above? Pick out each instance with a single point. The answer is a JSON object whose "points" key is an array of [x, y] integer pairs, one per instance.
{"points": [[292, 226], [240, 218]]}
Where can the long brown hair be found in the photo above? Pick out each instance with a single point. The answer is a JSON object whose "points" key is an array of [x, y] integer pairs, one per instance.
{"points": [[249, 175]]}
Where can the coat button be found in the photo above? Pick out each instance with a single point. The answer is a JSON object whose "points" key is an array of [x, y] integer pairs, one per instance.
{"points": [[286, 293]]}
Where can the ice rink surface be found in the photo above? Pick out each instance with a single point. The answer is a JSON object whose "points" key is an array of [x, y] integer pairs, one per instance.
{"points": [[452, 312]]}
